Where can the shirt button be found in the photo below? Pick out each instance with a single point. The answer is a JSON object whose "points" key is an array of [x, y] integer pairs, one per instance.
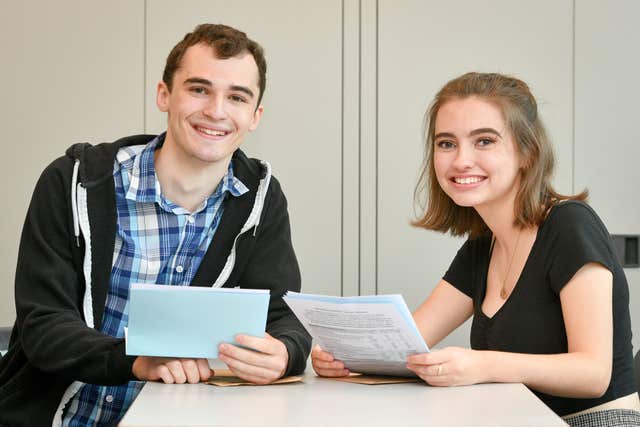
{"points": [[109, 398], [190, 219], [179, 269]]}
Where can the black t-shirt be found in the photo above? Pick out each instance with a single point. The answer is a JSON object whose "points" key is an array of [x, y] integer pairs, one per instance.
{"points": [[531, 321]]}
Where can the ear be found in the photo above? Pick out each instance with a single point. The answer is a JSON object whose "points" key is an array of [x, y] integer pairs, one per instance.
{"points": [[525, 163], [257, 115], [162, 97]]}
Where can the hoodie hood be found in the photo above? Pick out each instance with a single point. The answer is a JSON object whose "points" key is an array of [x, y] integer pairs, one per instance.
{"points": [[93, 165]]}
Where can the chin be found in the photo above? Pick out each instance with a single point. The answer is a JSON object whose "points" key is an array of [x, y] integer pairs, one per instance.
{"points": [[212, 155], [465, 202]]}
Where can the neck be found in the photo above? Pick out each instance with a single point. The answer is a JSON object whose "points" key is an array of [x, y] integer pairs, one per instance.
{"points": [[187, 181], [500, 220], [509, 238]]}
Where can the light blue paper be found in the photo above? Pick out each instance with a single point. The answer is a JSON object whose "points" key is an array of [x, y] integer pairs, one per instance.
{"points": [[191, 321]]}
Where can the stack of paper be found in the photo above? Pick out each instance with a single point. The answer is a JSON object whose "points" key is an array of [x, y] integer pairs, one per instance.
{"points": [[370, 334]]}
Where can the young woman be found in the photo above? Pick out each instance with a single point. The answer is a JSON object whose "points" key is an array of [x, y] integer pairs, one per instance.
{"points": [[549, 299]]}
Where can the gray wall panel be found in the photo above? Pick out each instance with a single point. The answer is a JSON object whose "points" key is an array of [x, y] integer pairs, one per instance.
{"points": [[421, 46], [300, 132], [607, 144], [73, 72]]}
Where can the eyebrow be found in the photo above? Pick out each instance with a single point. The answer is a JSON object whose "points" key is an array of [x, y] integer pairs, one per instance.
{"points": [[237, 88], [472, 133], [485, 130]]}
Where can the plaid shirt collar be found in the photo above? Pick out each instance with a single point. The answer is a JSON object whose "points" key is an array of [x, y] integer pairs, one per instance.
{"points": [[143, 185]]}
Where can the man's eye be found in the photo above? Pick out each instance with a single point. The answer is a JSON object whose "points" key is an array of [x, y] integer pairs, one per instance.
{"points": [[199, 90], [237, 98]]}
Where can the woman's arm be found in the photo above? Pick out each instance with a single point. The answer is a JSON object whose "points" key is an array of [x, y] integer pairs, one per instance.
{"points": [[445, 309], [442, 312], [583, 372]]}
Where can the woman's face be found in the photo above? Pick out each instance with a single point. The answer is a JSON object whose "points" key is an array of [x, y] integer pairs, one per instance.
{"points": [[475, 158]]}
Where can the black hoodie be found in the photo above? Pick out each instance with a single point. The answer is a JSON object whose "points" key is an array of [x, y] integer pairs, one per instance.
{"points": [[63, 275]]}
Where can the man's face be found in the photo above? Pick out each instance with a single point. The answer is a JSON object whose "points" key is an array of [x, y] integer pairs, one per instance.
{"points": [[212, 105]]}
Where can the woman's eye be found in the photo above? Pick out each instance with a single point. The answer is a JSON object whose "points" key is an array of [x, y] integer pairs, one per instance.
{"points": [[483, 142], [445, 145]]}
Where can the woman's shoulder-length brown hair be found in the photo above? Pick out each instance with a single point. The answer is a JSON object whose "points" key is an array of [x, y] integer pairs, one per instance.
{"points": [[436, 210]]}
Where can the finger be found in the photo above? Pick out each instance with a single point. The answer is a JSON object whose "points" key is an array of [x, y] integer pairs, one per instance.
{"points": [[440, 380], [191, 371], [175, 367], [432, 358], [164, 374], [321, 364], [249, 357], [203, 368], [267, 344], [436, 370], [318, 353], [254, 373], [436, 375], [329, 369], [331, 372]]}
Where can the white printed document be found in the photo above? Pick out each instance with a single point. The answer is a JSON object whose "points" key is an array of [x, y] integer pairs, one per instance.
{"points": [[370, 334]]}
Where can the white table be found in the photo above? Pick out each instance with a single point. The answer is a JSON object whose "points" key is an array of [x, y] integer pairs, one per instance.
{"points": [[324, 402]]}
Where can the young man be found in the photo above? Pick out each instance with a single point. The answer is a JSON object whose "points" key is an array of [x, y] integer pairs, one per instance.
{"points": [[186, 207]]}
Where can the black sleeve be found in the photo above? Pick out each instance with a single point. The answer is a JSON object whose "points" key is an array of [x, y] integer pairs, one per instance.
{"points": [[460, 272], [49, 286], [273, 265], [578, 238]]}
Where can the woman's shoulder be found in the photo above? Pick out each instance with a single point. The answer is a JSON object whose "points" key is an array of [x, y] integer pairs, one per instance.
{"points": [[572, 213], [572, 224]]}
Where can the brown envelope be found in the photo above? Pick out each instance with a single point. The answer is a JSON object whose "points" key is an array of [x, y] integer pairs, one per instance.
{"points": [[375, 379], [225, 378]]}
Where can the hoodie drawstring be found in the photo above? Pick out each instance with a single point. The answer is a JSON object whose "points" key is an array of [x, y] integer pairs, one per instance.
{"points": [[261, 194], [74, 202]]}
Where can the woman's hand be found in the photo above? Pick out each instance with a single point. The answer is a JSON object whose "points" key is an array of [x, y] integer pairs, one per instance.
{"points": [[325, 365], [450, 366]]}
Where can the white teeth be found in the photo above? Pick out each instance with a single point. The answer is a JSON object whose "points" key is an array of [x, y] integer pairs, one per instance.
{"points": [[212, 132], [467, 180]]}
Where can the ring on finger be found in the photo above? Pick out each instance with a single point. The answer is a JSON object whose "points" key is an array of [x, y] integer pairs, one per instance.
{"points": [[439, 371]]}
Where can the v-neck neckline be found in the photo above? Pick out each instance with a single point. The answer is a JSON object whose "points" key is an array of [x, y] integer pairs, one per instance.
{"points": [[516, 285]]}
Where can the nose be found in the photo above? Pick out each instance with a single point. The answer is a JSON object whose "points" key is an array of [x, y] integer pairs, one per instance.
{"points": [[465, 157], [215, 108]]}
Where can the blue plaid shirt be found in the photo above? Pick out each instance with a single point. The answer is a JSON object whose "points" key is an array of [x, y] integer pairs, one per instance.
{"points": [[157, 242]]}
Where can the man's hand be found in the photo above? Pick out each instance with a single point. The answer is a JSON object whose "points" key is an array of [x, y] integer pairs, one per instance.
{"points": [[171, 370], [264, 365]]}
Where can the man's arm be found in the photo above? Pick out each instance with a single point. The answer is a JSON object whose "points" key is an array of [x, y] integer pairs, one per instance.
{"points": [[272, 265], [49, 288]]}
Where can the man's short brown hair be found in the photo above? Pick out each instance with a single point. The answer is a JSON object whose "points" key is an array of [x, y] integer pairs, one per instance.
{"points": [[227, 42]]}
